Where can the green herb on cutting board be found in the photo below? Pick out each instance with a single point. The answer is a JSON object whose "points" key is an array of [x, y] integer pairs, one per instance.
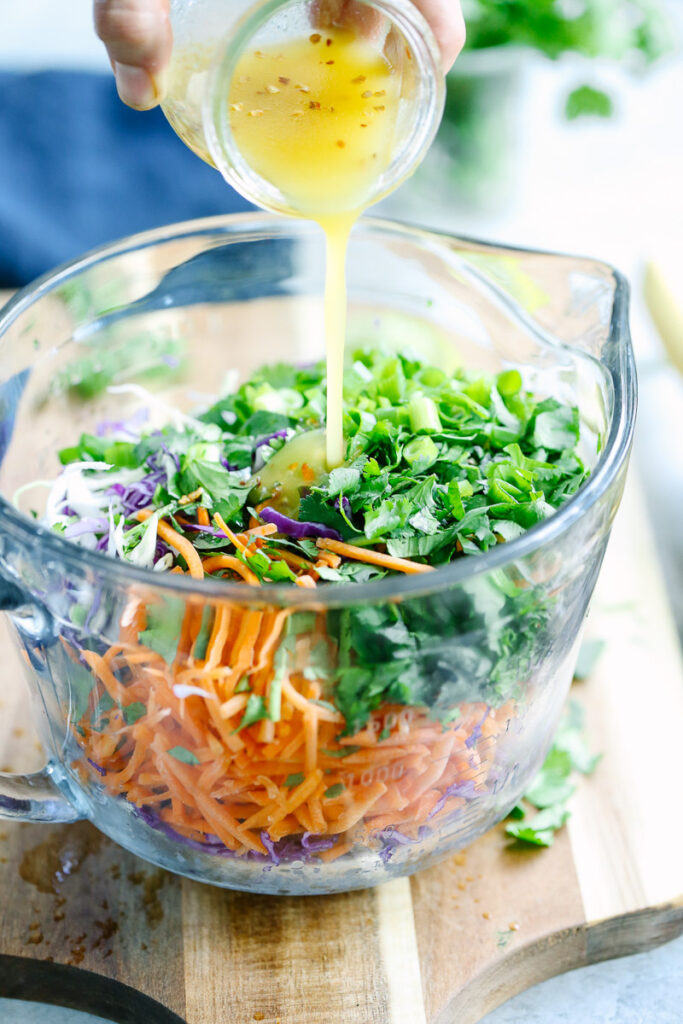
{"points": [[550, 791]]}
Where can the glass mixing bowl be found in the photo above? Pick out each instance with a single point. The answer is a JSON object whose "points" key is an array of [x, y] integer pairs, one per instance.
{"points": [[176, 308]]}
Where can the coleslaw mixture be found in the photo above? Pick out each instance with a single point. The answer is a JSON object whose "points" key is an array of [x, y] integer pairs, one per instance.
{"points": [[277, 733]]}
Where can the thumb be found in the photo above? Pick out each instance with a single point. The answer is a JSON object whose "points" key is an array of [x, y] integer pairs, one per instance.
{"points": [[138, 38]]}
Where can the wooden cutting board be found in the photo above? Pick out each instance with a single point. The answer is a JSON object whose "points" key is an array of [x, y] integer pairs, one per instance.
{"points": [[446, 946]]}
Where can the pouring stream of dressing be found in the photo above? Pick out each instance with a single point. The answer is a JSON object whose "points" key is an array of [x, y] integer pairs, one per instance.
{"points": [[317, 118]]}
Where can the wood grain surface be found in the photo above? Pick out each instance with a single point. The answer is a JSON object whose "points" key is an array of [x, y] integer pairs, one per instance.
{"points": [[445, 946]]}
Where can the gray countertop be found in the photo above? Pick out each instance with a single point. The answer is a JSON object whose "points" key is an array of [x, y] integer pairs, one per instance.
{"points": [[642, 989]]}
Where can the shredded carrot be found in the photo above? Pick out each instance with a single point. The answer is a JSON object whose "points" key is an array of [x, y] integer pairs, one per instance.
{"points": [[372, 557], [295, 561], [257, 531], [329, 558], [187, 499], [232, 706], [234, 539], [287, 770], [230, 562], [183, 546]]}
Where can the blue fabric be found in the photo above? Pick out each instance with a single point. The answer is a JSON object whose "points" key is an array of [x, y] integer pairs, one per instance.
{"points": [[78, 168]]}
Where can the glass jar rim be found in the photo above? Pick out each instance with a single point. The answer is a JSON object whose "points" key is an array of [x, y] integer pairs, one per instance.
{"points": [[226, 154], [250, 226]]}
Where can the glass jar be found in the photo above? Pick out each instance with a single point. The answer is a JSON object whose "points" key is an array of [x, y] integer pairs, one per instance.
{"points": [[174, 309], [209, 38]]}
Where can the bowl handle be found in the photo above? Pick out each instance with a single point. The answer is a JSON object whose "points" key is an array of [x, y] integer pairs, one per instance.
{"points": [[34, 797]]}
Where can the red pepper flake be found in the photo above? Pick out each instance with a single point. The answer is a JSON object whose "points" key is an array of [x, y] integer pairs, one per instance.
{"points": [[314, 105], [329, 62], [315, 38], [328, 42]]}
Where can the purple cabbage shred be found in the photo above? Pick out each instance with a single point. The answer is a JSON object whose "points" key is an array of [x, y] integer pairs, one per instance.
{"points": [[213, 530], [291, 848], [475, 735], [268, 438], [86, 525], [465, 789], [293, 528], [131, 426]]}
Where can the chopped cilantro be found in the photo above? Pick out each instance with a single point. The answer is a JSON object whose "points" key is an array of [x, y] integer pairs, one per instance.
{"points": [[255, 711], [294, 780], [184, 755], [439, 466], [552, 787], [164, 622], [132, 712], [202, 641], [81, 686], [334, 791]]}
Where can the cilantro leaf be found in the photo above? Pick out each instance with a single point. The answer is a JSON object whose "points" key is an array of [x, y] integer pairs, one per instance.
{"points": [[81, 684], [132, 712], [551, 788], [255, 711], [540, 830], [294, 780], [557, 427], [184, 755], [334, 791], [313, 509], [164, 623], [202, 641]]}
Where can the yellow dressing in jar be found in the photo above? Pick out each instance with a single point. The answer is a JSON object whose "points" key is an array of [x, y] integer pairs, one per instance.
{"points": [[317, 118]]}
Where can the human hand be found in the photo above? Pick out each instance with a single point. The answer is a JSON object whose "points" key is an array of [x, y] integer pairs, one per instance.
{"points": [[444, 16], [447, 24], [138, 38]]}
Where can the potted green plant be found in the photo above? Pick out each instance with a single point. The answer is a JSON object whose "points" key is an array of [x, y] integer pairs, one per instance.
{"points": [[473, 148]]}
